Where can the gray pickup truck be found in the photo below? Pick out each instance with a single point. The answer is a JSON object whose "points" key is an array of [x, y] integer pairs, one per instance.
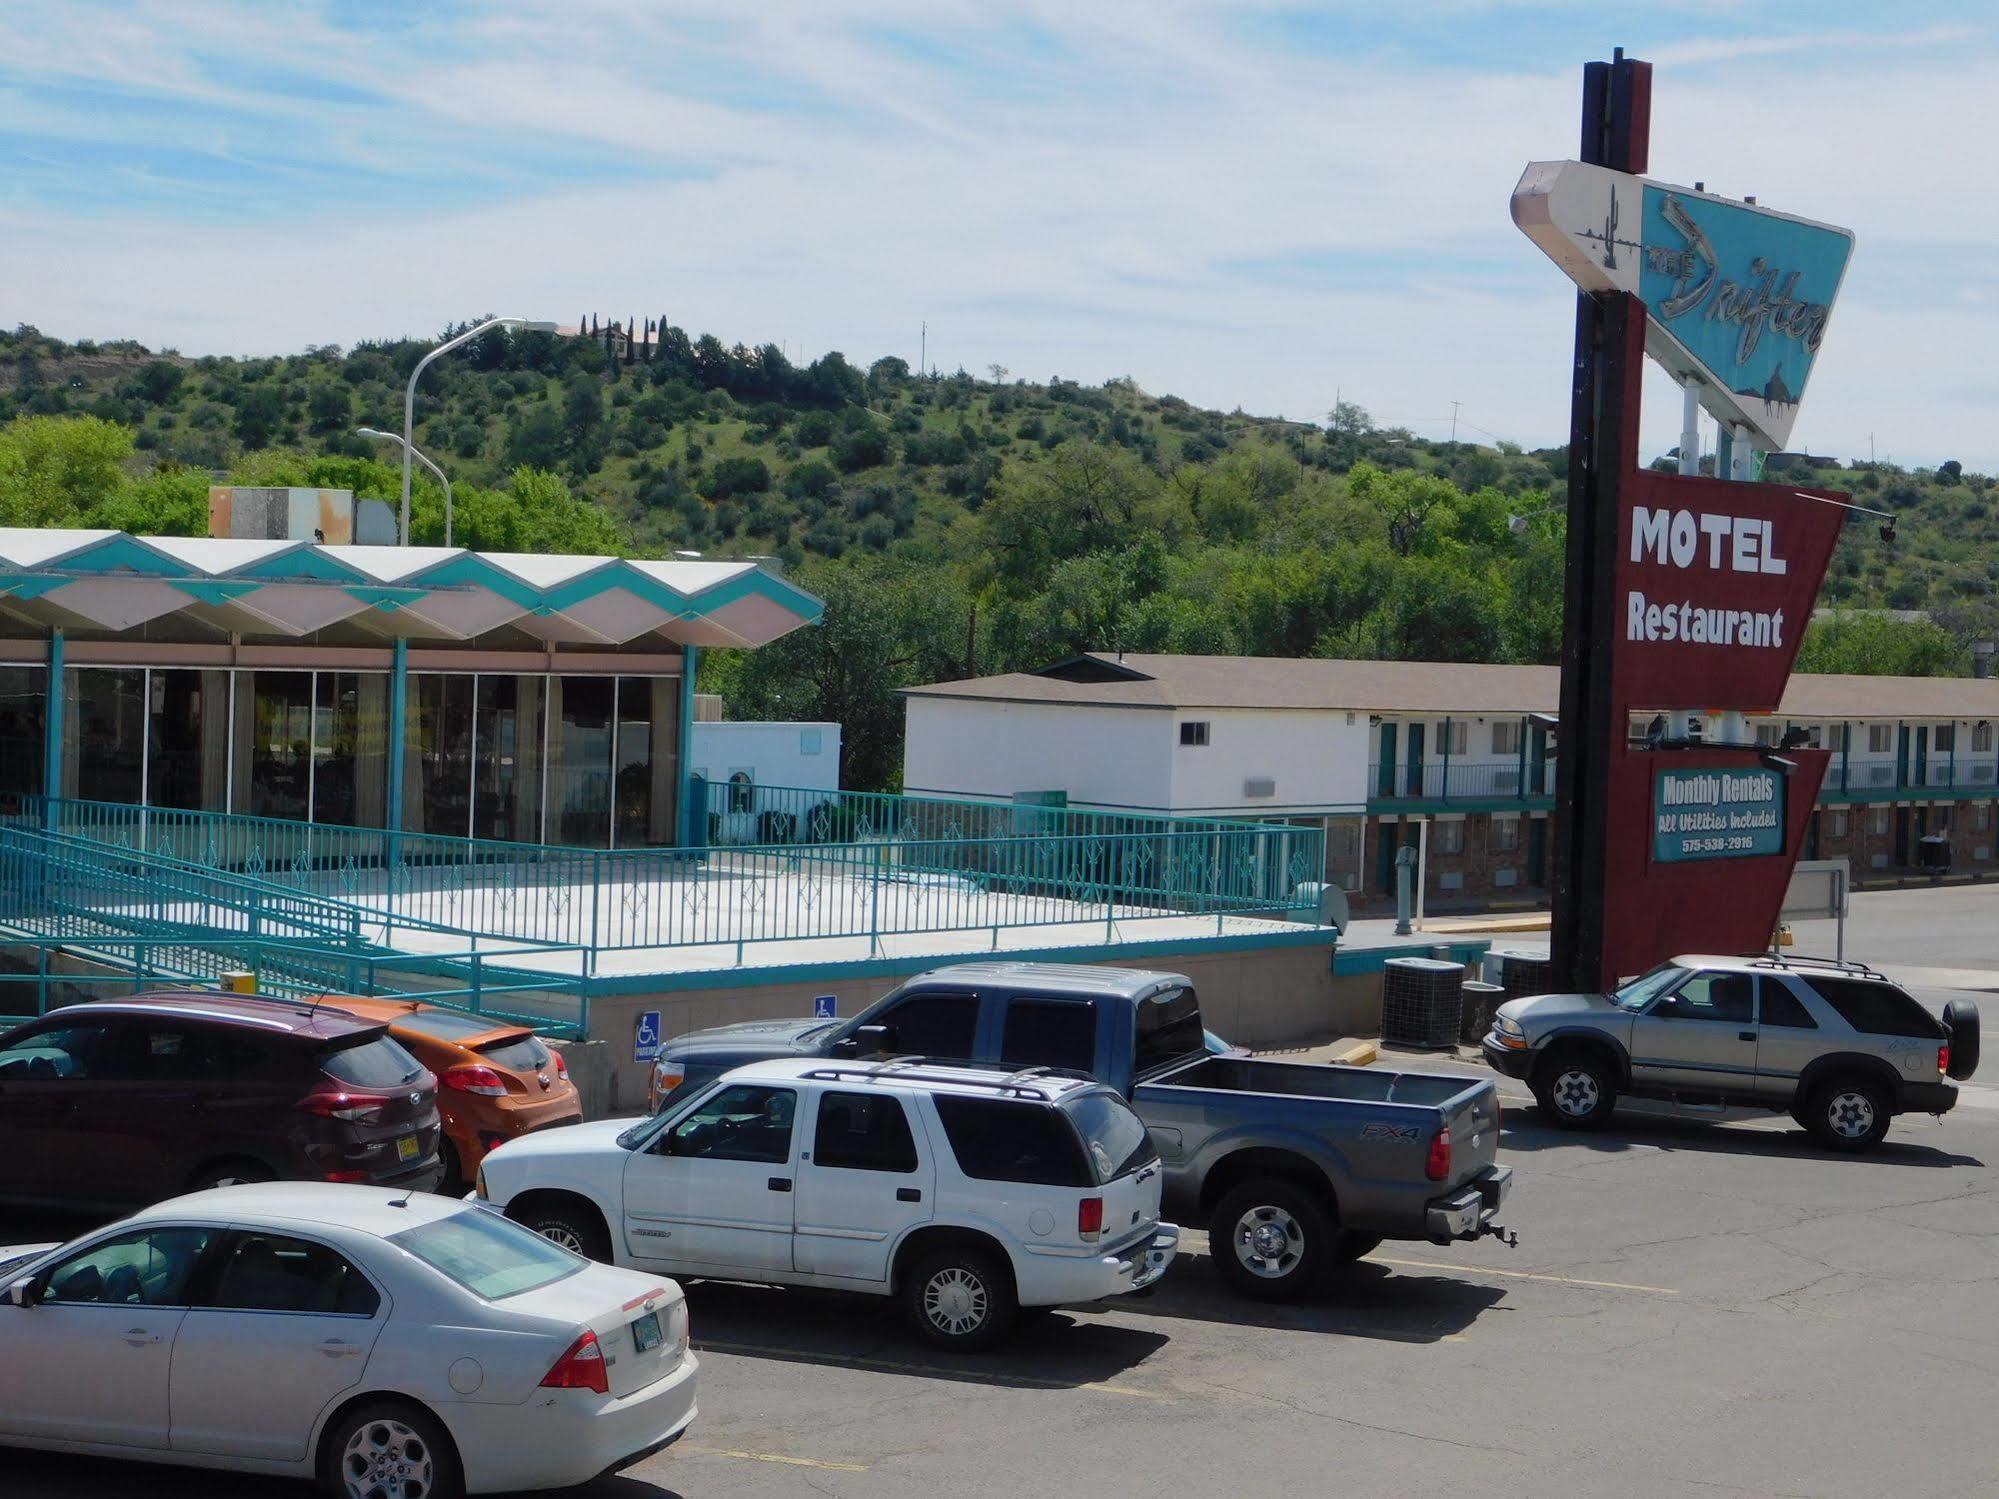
{"points": [[1294, 1167]]}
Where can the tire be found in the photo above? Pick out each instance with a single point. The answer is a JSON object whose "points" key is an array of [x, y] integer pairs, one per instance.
{"points": [[234, 1173], [959, 1299], [1272, 1240], [389, 1449], [1849, 1113], [1575, 1090], [1349, 1246], [576, 1228], [1961, 1016]]}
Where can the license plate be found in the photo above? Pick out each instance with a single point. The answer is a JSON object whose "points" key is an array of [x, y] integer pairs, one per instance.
{"points": [[406, 1148], [646, 1333]]}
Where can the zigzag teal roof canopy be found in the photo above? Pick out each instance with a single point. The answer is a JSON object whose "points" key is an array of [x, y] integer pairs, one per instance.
{"points": [[107, 580]]}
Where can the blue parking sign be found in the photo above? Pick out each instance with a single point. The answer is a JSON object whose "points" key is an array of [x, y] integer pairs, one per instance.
{"points": [[645, 1040], [826, 1007]]}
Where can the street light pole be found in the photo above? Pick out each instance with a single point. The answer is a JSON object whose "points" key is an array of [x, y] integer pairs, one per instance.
{"points": [[409, 396], [416, 453]]}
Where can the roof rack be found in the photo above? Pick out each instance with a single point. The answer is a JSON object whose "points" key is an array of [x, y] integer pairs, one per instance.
{"points": [[1020, 1080], [1838, 965]]}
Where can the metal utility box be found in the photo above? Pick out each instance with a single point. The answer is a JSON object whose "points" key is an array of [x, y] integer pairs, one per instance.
{"points": [[276, 514]]}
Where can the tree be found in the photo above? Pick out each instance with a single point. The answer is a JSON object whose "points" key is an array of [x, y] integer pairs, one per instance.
{"points": [[55, 470], [1868, 643], [260, 413], [1083, 497], [864, 447]]}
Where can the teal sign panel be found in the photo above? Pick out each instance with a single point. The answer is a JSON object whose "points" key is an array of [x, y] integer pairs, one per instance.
{"points": [[1716, 814], [1746, 292]]}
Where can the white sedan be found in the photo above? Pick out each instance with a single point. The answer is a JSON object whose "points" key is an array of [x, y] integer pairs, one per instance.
{"points": [[393, 1345]]}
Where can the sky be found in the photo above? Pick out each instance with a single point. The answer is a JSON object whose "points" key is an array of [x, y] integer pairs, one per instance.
{"points": [[1260, 205]]}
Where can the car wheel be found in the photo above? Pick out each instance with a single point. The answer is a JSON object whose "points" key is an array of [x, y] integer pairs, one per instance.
{"points": [[1349, 1246], [958, 1299], [1272, 1241], [1575, 1090], [1849, 1113], [228, 1174], [388, 1449], [576, 1229]]}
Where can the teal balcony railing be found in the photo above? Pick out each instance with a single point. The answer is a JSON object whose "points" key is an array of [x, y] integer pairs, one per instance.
{"points": [[1487, 781], [1047, 868]]}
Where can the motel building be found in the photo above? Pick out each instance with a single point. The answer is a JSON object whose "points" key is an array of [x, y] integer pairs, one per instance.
{"points": [[478, 778], [1431, 755]]}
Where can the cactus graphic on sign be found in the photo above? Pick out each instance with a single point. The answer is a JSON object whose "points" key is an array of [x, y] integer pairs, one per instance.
{"points": [[1737, 296]]}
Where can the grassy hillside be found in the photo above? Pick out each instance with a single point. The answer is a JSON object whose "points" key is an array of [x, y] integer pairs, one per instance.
{"points": [[955, 524]]}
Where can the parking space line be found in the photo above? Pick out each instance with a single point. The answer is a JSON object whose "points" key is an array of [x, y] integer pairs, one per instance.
{"points": [[773, 1457], [957, 1375], [1558, 1280]]}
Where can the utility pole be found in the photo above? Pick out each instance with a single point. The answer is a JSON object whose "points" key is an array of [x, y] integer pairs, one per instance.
{"points": [[923, 351], [1454, 420]]}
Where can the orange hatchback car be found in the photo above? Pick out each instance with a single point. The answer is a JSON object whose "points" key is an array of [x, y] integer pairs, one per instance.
{"points": [[495, 1080]]}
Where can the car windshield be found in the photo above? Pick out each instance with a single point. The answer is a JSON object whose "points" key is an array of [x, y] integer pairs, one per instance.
{"points": [[490, 1256], [1115, 1139], [1647, 987]]}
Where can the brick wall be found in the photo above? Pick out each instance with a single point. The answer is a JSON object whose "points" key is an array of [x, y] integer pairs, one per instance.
{"points": [[1476, 866]]}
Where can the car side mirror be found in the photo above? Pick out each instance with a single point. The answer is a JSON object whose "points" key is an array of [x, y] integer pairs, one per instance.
{"points": [[23, 1293], [874, 1040]]}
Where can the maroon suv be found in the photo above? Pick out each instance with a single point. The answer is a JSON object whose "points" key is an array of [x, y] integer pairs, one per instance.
{"points": [[129, 1101]]}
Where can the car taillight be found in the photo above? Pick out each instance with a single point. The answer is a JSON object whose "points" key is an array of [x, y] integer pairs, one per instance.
{"points": [[561, 1067], [1438, 1167], [1090, 1217], [581, 1368], [346, 1176], [1943, 1059], [483, 1081], [332, 1102]]}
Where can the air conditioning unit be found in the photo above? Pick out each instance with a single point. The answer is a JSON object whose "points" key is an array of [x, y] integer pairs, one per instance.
{"points": [[1501, 878], [1257, 786], [1981, 853], [1981, 772], [1880, 775], [1507, 779], [1451, 881], [1879, 861]]}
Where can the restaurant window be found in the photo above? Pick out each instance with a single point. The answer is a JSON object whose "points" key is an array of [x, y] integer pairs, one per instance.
{"points": [[274, 766], [187, 762], [648, 715], [23, 732], [506, 761], [579, 761], [104, 734], [350, 741], [437, 754]]}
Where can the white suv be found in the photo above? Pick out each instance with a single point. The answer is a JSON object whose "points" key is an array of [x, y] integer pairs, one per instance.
{"points": [[967, 1193]]}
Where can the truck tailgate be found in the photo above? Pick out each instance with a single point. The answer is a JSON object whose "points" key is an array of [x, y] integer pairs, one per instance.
{"points": [[1472, 1117]]}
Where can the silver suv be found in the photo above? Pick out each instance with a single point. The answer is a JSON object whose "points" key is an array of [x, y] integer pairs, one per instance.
{"points": [[1835, 1045]]}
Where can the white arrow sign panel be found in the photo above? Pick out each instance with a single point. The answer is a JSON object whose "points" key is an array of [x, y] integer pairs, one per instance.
{"points": [[1737, 296]]}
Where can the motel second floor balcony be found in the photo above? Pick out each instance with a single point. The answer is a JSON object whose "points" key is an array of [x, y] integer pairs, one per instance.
{"points": [[1462, 785]]}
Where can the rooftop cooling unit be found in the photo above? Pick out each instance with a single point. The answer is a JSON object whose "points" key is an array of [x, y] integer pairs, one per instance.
{"points": [[1880, 775]]}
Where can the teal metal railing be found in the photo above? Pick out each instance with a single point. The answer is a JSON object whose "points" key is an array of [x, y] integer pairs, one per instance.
{"points": [[880, 882], [1491, 782]]}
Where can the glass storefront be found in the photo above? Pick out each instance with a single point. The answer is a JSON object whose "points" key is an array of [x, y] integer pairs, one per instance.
{"points": [[583, 760]]}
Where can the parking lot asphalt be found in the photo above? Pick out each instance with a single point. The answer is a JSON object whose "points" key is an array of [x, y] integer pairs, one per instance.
{"points": [[1693, 1308]]}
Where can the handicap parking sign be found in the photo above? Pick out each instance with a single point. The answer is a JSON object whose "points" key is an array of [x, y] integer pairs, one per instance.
{"points": [[645, 1040], [826, 1007]]}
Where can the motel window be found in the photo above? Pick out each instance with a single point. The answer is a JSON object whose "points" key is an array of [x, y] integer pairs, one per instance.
{"points": [[1448, 837], [1877, 822], [1454, 736], [1880, 738], [1505, 834], [1981, 816], [1836, 822], [1194, 735], [1506, 737], [1981, 738], [1839, 736], [1945, 738], [1769, 734]]}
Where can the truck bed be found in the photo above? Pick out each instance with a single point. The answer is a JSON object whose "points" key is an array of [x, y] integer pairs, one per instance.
{"points": [[1317, 1080]]}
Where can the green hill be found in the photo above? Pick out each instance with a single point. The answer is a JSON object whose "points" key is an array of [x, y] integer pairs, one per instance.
{"points": [[954, 524]]}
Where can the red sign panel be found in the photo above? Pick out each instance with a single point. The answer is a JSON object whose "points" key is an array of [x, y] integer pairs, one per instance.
{"points": [[1715, 585]]}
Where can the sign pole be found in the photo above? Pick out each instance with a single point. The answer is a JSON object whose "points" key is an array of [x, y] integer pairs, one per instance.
{"points": [[1603, 447]]}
